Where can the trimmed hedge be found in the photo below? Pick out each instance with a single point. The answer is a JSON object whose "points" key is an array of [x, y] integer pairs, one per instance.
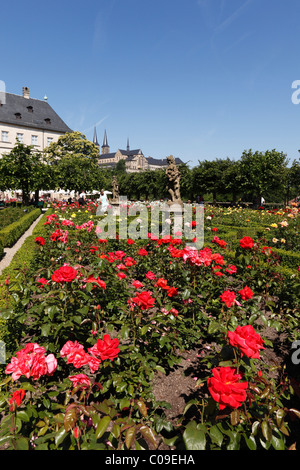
{"points": [[22, 259], [288, 258], [10, 234]]}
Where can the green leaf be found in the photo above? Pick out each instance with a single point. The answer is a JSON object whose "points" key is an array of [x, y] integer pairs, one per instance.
{"points": [[142, 407], [21, 444], [250, 441], [193, 438], [23, 416], [102, 426], [60, 436], [216, 435], [130, 436], [266, 430], [234, 441], [277, 443], [149, 435], [45, 329]]}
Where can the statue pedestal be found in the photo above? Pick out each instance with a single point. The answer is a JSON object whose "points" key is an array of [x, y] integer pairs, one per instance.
{"points": [[115, 205], [175, 205]]}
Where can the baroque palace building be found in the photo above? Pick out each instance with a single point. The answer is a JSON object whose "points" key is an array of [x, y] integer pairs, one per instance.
{"points": [[135, 160], [29, 121]]}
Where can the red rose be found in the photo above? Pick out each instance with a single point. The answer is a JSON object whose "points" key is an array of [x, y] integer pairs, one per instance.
{"points": [[144, 300], [97, 281], [106, 348], [245, 338], [162, 283], [143, 252], [40, 240], [172, 292], [16, 399], [246, 293], [231, 269], [226, 389], [80, 379], [246, 242], [137, 284], [150, 275], [64, 274], [228, 297]]}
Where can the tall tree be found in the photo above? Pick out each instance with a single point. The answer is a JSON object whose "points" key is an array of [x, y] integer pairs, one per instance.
{"points": [[263, 174], [25, 169], [72, 144]]}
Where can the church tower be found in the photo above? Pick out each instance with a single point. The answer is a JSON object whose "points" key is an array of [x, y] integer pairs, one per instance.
{"points": [[95, 139], [105, 146]]}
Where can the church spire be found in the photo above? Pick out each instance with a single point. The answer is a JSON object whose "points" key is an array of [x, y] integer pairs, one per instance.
{"points": [[95, 139], [105, 146]]}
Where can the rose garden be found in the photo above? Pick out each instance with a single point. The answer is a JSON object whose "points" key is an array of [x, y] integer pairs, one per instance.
{"points": [[94, 328]]}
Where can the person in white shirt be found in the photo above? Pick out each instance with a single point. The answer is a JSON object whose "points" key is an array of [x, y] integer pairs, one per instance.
{"points": [[103, 200]]}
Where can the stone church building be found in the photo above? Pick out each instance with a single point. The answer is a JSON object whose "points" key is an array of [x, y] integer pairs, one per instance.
{"points": [[135, 160]]}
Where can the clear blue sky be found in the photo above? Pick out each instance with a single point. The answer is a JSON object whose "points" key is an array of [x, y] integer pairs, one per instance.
{"points": [[199, 79]]}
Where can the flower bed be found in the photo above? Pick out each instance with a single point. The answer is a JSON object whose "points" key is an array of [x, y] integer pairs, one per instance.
{"points": [[98, 322]]}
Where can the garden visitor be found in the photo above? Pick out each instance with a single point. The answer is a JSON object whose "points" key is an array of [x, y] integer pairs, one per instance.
{"points": [[81, 199], [103, 200]]}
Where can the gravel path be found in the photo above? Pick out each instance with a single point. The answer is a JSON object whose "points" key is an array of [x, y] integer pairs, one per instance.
{"points": [[10, 252]]}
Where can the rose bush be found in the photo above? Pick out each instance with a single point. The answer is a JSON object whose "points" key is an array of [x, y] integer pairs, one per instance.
{"points": [[98, 320]]}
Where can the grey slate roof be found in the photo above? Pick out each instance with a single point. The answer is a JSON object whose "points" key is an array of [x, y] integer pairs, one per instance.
{"points": [[33, 113], [162, 161], [131, 153]]}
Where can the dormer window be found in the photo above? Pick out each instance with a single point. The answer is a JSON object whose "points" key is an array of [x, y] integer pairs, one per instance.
{"points": [[48, 121], [30, 109], [18, 115]]}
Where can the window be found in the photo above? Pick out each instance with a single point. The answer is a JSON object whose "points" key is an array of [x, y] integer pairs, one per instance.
{"points": [[4, 136], [48, 121], [18, 115], [49, 140], [34, 140], [19, 137]]}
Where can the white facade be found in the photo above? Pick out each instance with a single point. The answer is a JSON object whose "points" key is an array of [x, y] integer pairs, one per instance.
{"points": [[38, 138]]}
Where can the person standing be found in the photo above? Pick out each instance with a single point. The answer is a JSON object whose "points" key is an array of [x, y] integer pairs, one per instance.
{"points": [[81, 199], [103, 200]]}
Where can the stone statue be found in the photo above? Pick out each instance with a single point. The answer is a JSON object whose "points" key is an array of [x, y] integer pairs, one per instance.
{"points": [[174, 181], [115, 190]]}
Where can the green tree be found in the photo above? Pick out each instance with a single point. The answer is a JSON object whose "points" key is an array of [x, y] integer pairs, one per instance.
{"points": [[263, 174], [72, 144], [75, 163], [214, 176], [24, 169], [293, 180]]}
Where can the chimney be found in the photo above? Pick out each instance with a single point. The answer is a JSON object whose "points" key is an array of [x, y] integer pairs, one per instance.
{"points": [[25, 92]]}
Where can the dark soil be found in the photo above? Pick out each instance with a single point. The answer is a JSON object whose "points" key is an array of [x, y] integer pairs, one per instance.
{"points": [[180, 386]]}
